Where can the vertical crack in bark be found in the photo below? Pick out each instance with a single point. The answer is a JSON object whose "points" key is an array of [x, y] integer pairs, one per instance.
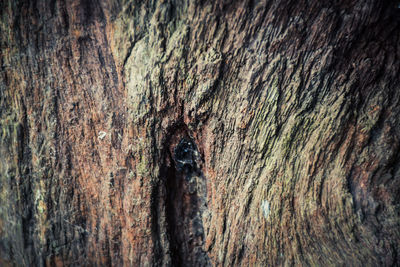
{"points": [[185, 204]]}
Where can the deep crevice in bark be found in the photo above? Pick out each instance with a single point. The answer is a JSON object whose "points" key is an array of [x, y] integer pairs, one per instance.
{"points": [[185, 202]]}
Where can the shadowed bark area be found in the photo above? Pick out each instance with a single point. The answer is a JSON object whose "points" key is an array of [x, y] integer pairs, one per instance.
{"points": [[225, 133]]}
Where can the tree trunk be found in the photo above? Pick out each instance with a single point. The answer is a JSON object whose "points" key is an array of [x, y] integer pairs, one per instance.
{"points": [[197, 133]]}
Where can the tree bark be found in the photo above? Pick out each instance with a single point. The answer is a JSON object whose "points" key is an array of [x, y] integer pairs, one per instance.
{"points": [[197, 133]]}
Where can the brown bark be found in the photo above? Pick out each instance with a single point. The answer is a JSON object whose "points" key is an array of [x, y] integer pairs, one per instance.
{"points": [[226, 133]]}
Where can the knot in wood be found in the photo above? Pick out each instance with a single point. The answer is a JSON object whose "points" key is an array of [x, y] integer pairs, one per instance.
{"points": [[185, 155]]}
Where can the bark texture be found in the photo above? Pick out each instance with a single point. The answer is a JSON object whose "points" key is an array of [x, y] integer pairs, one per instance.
{"points": [[225, 133]]}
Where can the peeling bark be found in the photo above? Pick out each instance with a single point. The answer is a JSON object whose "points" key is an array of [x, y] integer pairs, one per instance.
{"points": [[201, 133]]}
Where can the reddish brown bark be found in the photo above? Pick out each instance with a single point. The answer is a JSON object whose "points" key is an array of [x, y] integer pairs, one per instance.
{"points": [[287, 113]]}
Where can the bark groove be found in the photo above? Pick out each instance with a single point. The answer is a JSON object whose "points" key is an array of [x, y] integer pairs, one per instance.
{"points": [[268, 128]]}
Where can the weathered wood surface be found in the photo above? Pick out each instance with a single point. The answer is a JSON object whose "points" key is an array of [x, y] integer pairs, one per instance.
{"points": [[199, 132]]}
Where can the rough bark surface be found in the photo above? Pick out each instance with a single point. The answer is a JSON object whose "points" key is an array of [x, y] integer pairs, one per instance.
{"points": [[225, 133]]}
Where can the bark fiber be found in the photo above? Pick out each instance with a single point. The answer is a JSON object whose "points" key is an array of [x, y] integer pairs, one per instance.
{"points": [[198, 133]]}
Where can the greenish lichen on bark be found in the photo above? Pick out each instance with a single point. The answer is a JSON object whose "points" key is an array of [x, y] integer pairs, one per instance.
{"points": [[293, 107]]}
